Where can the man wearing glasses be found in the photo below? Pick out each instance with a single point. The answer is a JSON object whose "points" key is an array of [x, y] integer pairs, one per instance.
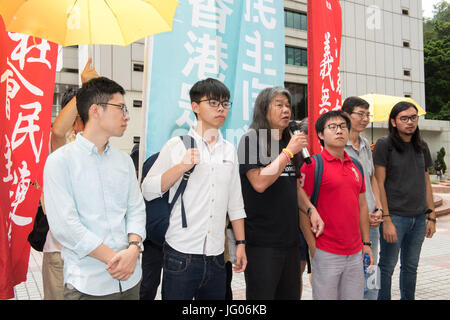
{"points": [[94, 205], [401, 162], [337, 254], [358, 147], [193, 263]]}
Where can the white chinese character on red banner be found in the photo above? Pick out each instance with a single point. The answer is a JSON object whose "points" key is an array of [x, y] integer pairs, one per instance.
{"points": [[21, 132], [8, 164], [327, 63], [12, 87], [20, 52], [206, 14], [23, 183]]}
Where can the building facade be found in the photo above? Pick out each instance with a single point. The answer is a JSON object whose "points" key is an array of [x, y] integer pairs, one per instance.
{"points": [[381, 52]]}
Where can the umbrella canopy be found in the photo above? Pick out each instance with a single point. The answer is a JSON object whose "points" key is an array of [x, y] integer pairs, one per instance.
{"points": [[74, 22], [380, 106]]}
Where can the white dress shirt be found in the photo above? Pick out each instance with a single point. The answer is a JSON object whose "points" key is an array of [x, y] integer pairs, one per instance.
{"points": [[213, 190]]}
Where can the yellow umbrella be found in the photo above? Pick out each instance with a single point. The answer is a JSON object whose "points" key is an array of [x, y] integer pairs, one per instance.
{"points": [[73, 22], [381, 105]]}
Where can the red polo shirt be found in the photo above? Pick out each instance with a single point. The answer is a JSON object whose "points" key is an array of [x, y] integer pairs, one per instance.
{"points": [[338, 203]]}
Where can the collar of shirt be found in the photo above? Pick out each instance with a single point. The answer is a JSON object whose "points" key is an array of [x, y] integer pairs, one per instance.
{"points": [[329, 157], [88, 145], [362, 144], [202, 142]]}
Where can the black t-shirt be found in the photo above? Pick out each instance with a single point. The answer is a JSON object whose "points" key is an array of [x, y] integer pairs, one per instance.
{"points": [[405, 178], [272, 216]]}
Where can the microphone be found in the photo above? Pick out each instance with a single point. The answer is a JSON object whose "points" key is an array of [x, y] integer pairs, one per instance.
{"points": [[295, 129]]}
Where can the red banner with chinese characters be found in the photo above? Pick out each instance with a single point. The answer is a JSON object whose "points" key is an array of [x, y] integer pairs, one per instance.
{"points": [[324, 52], [27, 80]]}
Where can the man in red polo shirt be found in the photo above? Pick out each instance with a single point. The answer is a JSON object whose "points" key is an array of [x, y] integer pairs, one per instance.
{"points": [[337, 264]]}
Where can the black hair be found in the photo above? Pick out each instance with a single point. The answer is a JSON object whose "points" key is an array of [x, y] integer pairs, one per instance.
{"points": [[211, 88], [95, 91], [67, 96], [395, 138], [320, 123], [352, 102], [260, 123]]}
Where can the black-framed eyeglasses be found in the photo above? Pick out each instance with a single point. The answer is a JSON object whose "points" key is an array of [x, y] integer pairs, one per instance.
{"points": [[121, 106], [405, 119], [216, 103], [363, 115], [334, 126]]}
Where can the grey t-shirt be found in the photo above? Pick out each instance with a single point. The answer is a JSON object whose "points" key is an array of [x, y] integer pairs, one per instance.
{"points": [[405, 178]]}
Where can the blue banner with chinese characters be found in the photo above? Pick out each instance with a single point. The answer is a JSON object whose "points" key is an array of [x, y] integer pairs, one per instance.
{"points": [[240, 42]]}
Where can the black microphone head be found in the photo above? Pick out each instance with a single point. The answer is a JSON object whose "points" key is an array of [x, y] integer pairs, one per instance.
{"points": [[293, 126]]}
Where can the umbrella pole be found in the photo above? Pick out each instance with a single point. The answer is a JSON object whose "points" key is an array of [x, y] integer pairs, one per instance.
{"points": [[372, 131]]}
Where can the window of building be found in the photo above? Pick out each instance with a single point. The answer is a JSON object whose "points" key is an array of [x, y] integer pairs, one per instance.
{"points": [[405, 12], [137, 103], [299, 99], [295, 20], [407, 95], [406, 44], [407, 73], [138, 67], [296, 56]]}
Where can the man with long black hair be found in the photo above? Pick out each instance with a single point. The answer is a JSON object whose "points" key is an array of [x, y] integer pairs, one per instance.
{"points": [[401, 160], [269, 166]]}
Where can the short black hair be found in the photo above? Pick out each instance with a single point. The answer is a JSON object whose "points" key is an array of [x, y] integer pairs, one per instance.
{"points": [[320, 123], [352, 102], [211, 88], [67, 96], [96, 90]]}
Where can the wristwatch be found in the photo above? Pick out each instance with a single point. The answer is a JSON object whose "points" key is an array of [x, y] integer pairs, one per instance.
{"points": [[240, 242], [138, 244], [368, 243], [308, 211]]}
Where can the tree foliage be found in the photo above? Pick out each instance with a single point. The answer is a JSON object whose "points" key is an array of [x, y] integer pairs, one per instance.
{"points": [[437, 62]]}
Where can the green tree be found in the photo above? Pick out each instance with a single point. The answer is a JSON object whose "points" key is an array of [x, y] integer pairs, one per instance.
{"points": [[437, 62]]}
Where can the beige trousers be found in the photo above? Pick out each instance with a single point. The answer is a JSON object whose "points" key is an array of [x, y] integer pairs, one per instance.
{"points": [[52, 276]]}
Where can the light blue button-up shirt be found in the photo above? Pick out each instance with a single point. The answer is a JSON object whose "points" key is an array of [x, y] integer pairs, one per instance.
{"points": [[92, 199]]}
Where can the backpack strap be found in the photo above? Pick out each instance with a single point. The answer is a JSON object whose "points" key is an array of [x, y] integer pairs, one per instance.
{"points": [[318, 170], [189, 143], [358, 165]]}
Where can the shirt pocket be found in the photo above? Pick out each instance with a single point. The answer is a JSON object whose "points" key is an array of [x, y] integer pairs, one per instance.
{"points": [[225, 171]]}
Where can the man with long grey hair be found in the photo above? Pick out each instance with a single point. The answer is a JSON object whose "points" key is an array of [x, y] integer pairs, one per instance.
{"points": [[269, 168]]}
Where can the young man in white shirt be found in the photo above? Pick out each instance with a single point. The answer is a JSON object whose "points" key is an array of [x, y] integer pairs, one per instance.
{"points": [[194, 265]]}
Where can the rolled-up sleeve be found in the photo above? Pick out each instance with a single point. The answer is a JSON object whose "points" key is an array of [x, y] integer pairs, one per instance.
{"points": [[62, 215], [236, 202]]}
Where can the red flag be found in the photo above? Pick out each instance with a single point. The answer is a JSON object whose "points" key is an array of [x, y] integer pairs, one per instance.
{"points": [[27, 80], [324, 52]]}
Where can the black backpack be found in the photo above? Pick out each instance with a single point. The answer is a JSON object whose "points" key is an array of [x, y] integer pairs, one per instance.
{"points": [[158, 210], [38, 235]]}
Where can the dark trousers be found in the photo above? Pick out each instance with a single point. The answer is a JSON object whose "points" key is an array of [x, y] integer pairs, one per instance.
{"points": [[152, 261], [272, 273], [192, 276], [228, 290]]}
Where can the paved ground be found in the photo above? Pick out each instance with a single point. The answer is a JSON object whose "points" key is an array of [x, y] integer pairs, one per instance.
{"points": [[433, 281]]}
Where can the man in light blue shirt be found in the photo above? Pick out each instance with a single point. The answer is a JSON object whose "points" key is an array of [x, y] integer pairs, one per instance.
{"points": [[93, 202]]}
